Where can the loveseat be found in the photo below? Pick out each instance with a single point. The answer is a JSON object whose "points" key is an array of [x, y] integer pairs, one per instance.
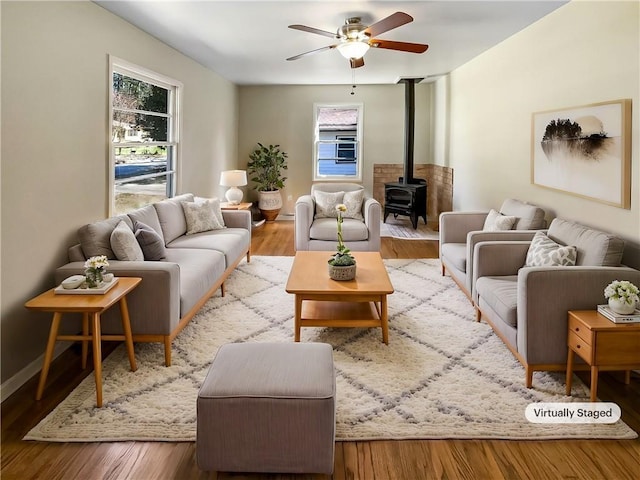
{"points": [[525, 288], [315, 218], [181, 260]]}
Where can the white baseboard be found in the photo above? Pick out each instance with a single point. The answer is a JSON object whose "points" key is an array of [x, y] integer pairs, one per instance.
{"points": [[9, 387]]}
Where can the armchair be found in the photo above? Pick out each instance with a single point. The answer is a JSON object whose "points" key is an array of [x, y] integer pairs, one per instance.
{"points": [[315, 218], [461, 231], [527, 305]]}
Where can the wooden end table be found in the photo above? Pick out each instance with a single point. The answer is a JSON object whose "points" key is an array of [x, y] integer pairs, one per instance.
{"points": [[604, 345], [322, 302], [91, 307], [235, 206]]}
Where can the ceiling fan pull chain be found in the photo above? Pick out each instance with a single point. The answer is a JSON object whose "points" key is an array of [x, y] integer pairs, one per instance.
{"points": [[353, 81]]}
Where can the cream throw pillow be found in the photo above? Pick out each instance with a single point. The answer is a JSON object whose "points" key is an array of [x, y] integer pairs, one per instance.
{"points": [[353, 202], [496, 221], [326, 203], [124, 243], [215, 204], [200, 217], [544, 252]]}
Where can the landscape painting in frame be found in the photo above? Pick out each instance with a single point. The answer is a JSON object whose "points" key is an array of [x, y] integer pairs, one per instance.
{"points": [[585, 151]]}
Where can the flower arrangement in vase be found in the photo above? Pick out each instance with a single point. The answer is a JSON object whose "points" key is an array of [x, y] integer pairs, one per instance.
{"points": [[94, 270], [342, 265], [623, 296]]}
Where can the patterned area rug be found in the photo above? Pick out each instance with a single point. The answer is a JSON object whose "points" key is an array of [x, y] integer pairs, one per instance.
{"points": [[402, 228], [443, 375]]}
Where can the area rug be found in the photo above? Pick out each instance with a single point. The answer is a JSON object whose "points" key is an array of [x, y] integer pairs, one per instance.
{"points": [[443, 375], [402, 228]]}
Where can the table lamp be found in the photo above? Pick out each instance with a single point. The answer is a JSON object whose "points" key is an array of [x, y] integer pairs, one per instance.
{"points": [[233, 179]]}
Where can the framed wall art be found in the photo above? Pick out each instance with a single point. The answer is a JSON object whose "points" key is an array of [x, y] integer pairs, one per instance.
{"points": [[584, 151]]}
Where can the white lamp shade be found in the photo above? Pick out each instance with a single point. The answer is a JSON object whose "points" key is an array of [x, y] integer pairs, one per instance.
{"points": [[233, 178], [353, 48]]}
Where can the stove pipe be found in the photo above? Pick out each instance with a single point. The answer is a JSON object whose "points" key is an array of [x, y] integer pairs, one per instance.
{"points": [[409, 126]]}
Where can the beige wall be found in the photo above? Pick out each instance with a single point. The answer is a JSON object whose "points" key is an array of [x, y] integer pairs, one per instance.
{"points": [[583, 53], [284, 115], [54, 151]]}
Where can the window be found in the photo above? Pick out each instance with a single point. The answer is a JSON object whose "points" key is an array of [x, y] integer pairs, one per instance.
{"points": [[144, 136], [338, 142]]}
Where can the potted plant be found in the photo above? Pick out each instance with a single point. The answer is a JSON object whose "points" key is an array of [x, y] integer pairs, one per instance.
{"points": [[342, 265], [623, 296], [266, 165]]}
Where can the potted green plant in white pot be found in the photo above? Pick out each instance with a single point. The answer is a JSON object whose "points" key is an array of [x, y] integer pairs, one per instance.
{"points": [[266, 165]]}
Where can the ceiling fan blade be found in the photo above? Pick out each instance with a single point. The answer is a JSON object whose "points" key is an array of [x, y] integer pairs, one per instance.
{"points": [[312, 51], [304, 28], [401, 46], [392, 21], [356, 62]]}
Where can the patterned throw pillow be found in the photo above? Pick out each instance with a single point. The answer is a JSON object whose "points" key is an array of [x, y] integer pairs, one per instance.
{"points": [[215, 204], [496, 221], [353, 202], [200, 217], [124, 243], [326, 203], [544, 252], [151, 243]]}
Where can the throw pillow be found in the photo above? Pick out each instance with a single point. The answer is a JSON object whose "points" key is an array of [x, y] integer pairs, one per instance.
{"points": [[151, 243], [124, 243], [217, 210], [200, 217], [326, 203], [496, 221], [353, 202], [544, 252]]}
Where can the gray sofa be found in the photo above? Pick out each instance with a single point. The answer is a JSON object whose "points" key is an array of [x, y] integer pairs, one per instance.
{"points": [[174, 288], [461, 231], [527, 305]]}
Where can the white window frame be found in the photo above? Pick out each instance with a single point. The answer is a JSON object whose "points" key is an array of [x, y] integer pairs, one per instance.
{"points": [[118, 65], [317, 142]]}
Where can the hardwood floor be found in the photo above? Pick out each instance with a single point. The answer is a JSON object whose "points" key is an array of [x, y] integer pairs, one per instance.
{"points": [[411, 460]]}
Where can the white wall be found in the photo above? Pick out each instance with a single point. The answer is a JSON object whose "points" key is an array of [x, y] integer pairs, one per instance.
{"points": [[583, 53], [54, 143], [284, 115]]}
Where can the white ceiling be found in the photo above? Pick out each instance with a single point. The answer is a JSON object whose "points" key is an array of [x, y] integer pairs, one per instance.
{"points": [[247, 42]]}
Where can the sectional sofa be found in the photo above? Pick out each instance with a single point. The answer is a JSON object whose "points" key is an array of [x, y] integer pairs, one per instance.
{"points": [[182, 262]]}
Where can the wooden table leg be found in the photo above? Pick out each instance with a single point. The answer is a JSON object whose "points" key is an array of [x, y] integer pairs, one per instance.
{"points": [[594, 383], [85, 342], [48, 354], [126, 327], [97, 357], [569, 371], [384, 318], [298, 316]]}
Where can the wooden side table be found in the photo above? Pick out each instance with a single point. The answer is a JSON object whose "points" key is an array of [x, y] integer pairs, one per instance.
{"points": [[604, 345], [238, 206], [91, 307]]}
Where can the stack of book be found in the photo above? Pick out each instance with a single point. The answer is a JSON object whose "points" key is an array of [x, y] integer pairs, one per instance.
{"points": [[617, 317]]}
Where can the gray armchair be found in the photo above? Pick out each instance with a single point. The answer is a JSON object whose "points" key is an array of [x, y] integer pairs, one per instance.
{"points": [[461, 231], [313, 231], [527, 306]]}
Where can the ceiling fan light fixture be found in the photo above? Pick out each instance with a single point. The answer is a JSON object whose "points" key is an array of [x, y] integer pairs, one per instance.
{"points": [[353, 49]]}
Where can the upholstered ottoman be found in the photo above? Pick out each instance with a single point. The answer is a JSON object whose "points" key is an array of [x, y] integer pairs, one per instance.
{"points": [[268, 407]]}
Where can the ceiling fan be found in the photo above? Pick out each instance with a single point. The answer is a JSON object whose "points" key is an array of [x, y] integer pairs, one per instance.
{"points": [[355, 38]]}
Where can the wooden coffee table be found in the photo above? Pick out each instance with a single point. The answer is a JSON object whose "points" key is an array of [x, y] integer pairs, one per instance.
{"points": [[322, 302]]}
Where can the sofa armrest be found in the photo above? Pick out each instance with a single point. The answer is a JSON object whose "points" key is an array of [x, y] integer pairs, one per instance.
{"points": [[454, 226], [492, 259], [304, 211], [546, 294], [237, 218], [372, 213]]}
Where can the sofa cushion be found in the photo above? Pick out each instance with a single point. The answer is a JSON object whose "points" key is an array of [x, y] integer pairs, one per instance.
{"points": [[124, 244], [500, 293], [200, 217], [326, 203], [215, 204], [544, 252], [529, 217], [353, 202], [95, 238], [151, 243], [171, 216], [327, 229], [594, 248], [231, 242], [456, 255], [148, 216], [497, 221]]}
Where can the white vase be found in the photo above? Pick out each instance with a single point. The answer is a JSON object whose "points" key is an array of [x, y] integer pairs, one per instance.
{"points": [[270, 204], [621, 307]]}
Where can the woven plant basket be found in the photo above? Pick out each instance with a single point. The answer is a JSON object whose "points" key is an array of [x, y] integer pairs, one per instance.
{"points": [[342, 273]]}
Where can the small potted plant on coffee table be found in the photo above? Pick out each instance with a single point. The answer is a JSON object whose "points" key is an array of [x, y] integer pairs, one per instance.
{"points": [[342, 265]]}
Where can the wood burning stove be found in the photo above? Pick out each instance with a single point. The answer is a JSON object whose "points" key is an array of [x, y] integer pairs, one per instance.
{"points": [[408, 196]]}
